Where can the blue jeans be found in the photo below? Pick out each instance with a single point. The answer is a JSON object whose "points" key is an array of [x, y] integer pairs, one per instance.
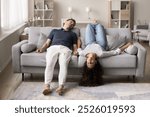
{"points": [[95, 33]]}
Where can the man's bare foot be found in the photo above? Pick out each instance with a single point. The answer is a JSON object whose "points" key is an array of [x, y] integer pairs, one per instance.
{"points": [[60, 90], [47, 90]]}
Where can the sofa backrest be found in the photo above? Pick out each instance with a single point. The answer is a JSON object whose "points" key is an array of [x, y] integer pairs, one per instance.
{"points": [[34, 33], [126, 32], [121, 31]]}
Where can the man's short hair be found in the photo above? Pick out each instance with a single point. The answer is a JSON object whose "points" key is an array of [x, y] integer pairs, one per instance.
{"points": [[72, 20]]}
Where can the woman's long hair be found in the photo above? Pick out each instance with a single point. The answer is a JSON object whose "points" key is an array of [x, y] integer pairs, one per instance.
{"points": [[93, 76]]}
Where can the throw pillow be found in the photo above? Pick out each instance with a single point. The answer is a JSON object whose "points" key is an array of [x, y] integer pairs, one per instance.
{"points": [[116, 41], [42, 40], [132, 49], [28, 47]]}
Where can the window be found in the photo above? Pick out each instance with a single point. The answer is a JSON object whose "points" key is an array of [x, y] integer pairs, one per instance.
{"points": [[0, 16], [13, 13]]}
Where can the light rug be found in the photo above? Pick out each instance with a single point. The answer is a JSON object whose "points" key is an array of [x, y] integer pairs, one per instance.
{"points": [[109, 91]]}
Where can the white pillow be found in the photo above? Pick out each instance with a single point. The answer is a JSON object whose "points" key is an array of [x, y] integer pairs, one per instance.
{"points": [[28, 47], [132, 49], [42, 40], [116, 41]]}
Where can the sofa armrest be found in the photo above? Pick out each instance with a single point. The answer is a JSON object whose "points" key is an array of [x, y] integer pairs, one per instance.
{"points": [[141, 60], [148, 37], [16, 53]]}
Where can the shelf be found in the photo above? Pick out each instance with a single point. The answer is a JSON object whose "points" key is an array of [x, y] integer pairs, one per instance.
{"points": [[77, 21], [43, 12], [120, 13], [43, 9]]}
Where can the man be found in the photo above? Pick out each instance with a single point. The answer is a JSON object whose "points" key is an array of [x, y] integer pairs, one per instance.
{"points": [[61, 41]]}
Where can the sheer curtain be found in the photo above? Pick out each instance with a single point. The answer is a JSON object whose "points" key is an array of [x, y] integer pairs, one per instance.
{"points": [[13, 13]]}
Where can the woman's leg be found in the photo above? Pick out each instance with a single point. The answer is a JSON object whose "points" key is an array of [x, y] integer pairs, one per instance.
{"points": [[122, 48], [125, 46], [89, 34], [101, 36]]}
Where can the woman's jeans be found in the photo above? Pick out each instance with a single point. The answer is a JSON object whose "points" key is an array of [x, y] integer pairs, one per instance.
{"points": [[95, 33]]}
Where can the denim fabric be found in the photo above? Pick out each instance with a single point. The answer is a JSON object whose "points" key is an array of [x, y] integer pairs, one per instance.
{"points": [[95, 33]]}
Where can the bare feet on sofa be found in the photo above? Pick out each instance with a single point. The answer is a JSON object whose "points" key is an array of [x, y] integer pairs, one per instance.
{"points": [[94, 21], [47, 90], [60, 90]]}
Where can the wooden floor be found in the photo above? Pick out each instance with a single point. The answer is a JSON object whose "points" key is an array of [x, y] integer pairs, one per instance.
{"points": [[9, 81]]}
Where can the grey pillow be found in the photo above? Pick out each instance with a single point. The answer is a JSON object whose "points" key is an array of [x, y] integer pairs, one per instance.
{"points": [[116, 41], [132, 49], [28, 47], [42, 40]]}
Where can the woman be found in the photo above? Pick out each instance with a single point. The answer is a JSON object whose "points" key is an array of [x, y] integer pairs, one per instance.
{"points": [[92, 71], [96, 47]]}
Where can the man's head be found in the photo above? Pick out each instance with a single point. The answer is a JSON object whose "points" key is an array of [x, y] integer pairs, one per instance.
{"points": [[91, 59], [69, 24]]}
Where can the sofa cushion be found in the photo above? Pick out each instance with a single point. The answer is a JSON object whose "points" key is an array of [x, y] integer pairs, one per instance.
{"points": [[28, 47], [33, 59], [39, 60], [122, 32], [115, 41], [42, 39], [34, 33], [120, 61], [77, 31]]}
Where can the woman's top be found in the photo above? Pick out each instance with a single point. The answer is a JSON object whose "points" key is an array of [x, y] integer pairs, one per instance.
{"points": [[91, 48]]}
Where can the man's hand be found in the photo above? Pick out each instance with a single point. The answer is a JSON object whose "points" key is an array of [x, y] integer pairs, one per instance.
{"points": [[75, 53], [44, 47], [39, 50]]}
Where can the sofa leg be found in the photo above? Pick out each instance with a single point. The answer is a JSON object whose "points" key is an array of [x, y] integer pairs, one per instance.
{"points": [[22, 76], [31, 76], [128, 78], [134, 79]]}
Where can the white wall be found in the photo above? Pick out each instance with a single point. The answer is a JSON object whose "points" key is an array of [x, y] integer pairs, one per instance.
{"points": [[99, 10], [141, 11], [0, 17]]}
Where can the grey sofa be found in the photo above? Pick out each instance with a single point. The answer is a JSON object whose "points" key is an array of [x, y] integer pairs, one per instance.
{"points": [[123, 64]]}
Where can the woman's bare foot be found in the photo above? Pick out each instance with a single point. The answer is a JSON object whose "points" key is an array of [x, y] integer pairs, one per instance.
{"points": [[94, 21], [60, 90], [46, 90]]}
